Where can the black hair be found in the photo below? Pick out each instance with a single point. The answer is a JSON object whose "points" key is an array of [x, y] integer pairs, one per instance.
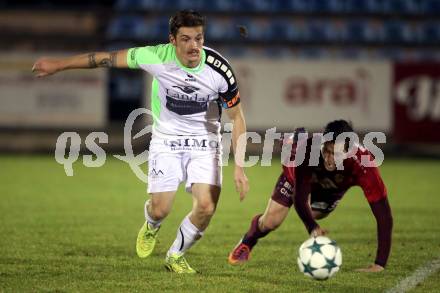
{"points": [[338, 127], [188, 18]]}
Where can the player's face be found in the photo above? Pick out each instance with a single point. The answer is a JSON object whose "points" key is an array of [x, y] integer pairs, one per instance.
{"points": [[330, 150], [189, 45]]}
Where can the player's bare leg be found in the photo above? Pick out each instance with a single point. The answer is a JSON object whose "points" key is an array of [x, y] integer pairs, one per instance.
{"points": [[156, 209], [205, 198], [261, 225], [159, 205], [273, 216]]}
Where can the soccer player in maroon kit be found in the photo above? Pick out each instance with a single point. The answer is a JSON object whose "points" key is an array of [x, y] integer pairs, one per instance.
{"points": [[315, 191]]}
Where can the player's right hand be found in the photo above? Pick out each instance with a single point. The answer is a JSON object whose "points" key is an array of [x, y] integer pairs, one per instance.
{"points": [[318, 231], [45, 66], [241, 182]]}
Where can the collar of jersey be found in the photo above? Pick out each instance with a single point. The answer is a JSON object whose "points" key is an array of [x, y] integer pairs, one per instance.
{"points": [[195, 69]]}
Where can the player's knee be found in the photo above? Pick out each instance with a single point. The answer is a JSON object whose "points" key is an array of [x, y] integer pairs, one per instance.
{"points": [[205, 209], [158, 212]]}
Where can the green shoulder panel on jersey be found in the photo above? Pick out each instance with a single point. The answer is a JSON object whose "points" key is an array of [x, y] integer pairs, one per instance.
{"points": [[155, 101], [158, 54]]}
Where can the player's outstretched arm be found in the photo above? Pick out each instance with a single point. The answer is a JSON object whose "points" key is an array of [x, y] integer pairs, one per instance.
{"points": [[301, 203], [240, 179], [47, 66], [382, 212]]}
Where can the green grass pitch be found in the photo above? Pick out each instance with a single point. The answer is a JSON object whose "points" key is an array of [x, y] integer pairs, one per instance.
{"points": [[78, 233]]}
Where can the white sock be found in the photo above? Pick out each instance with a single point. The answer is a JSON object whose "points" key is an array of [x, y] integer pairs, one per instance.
{"points": [[187, 235], [153, 223]]}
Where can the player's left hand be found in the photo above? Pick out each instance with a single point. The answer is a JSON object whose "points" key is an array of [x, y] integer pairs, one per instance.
{"points": [[241, 182], [373, 268], [318, 231]]}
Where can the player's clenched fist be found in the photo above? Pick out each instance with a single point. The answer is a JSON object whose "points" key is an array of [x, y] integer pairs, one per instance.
{"points": [[45, 66]]}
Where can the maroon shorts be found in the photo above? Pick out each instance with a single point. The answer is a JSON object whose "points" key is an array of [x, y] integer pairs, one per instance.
{"points": [[283, 194]]}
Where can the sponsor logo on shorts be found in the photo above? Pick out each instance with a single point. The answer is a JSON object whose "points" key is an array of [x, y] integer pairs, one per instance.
{"points": [[155, 172], [286, 188], [191, 144]]}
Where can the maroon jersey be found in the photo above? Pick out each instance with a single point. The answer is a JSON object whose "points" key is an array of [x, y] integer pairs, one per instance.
{"points": [[316, 179]]}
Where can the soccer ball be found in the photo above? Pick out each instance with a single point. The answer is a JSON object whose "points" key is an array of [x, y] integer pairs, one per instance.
{"points": [[319, 258]]}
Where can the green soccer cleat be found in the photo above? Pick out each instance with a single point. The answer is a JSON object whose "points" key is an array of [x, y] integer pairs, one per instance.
{"points": [[146, 240], [178, 264]]}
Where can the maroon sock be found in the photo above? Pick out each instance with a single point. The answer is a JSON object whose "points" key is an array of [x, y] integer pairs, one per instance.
{"points": [[254, 233]]}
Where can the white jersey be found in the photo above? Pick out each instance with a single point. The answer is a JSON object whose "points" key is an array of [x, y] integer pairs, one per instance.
{"points": [[186, 101]]}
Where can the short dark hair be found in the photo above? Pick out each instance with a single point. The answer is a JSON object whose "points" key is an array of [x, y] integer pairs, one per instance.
{"points": [[338, 127], [188, 18]]}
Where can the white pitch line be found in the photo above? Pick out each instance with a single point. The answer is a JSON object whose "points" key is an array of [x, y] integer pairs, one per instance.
{"points": [[417, 277]]}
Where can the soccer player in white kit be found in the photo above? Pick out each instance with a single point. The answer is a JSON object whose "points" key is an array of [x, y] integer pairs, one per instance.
{"points": [[192, 84]]}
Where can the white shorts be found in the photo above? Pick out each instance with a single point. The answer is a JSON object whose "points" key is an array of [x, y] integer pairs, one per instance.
{"points": [[190, 159]]}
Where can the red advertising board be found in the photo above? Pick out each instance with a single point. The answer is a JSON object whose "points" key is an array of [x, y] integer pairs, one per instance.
{"points": [[416, 96]]}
